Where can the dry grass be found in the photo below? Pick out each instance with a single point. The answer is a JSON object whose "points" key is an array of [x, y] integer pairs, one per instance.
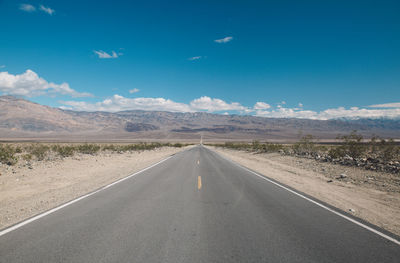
{"points": [[12, 153]]}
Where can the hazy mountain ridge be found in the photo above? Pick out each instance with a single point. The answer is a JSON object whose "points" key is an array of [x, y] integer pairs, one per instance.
{"points": [[20, 118]]}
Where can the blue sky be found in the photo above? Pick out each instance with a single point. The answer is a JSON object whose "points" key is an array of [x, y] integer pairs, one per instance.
{"points": [[308, 59]]}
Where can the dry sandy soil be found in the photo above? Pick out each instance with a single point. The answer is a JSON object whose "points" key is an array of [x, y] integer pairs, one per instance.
{"points": [[372, 196], [28, 189]]}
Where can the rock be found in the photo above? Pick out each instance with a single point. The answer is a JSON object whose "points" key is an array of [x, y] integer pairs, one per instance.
{"points": [[329, 181], [342, 176], [352, 210]]}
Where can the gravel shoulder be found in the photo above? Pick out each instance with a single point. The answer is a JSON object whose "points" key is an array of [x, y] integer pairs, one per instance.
{"points": [[29, 189], [371, 196]]}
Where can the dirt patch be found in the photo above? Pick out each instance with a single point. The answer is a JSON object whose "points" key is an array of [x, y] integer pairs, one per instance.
{"points": [[33, 187], [372, 196]]}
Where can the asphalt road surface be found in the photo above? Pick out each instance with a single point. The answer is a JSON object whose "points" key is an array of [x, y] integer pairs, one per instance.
{"points": [[194, 207]]}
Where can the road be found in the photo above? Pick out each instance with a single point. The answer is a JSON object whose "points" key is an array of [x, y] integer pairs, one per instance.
{"points": [[194, 207]]}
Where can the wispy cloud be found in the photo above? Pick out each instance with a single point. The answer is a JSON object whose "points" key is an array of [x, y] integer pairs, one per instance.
{"points": [[47, 10], [135, 90], [195, 58], [224, 40], [261, 106], [29, 84], [214, 105], [27, 8], [103, 54], [2, 66], [386, 105], [30, 8]]}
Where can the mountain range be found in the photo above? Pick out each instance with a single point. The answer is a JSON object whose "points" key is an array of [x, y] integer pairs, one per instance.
{"points": [[21, 119]]}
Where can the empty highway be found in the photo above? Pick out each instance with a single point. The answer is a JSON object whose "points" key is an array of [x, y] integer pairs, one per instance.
{"points": [[194, 207]]}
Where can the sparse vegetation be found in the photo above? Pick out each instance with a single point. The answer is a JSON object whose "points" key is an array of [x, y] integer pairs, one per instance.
{"points": [[40, 151], [9, 154], [63, 150], [88, 148], [376, 154]]}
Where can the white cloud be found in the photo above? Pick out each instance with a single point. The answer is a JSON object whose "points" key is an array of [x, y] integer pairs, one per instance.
{"points": [[213, 105], [300, 105], [224, 40], [103, 54], [335, 113], [261, 106], [47, 10], [355, 113], [30, 84], [195, 58], [386, 105], [135, 90], [204, 103], [120, 103], [27, 8]]}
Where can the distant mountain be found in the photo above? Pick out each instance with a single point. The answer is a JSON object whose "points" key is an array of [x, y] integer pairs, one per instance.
{"points": [[22, 119]]}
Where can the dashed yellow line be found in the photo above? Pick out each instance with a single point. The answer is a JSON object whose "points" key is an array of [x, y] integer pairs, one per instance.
{"points": [[199, 182]]}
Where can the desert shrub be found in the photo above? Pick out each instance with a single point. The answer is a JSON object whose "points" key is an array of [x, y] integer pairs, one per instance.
{"points": [[26, 157], [352, 145], [374, 144], [110, 147], [88, 148], [238, 146], [18, 149], [138, 146], [39, 151], [256, 146], [305, 146], [7, 155], [271, 147], [64, 150], [336, 152], [389, 151], [126, 148], [178, 145]]}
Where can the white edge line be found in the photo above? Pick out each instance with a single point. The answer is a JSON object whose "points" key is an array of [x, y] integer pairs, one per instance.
{"points": [[315, 202], [34, 218]]}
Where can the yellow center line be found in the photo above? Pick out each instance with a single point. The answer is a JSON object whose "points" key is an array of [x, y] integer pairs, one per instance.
{"points": [[199, 182]]}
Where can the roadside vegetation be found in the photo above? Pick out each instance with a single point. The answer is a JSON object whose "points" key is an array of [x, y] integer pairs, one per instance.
{"points": [[352, 150], [12, 153]]}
